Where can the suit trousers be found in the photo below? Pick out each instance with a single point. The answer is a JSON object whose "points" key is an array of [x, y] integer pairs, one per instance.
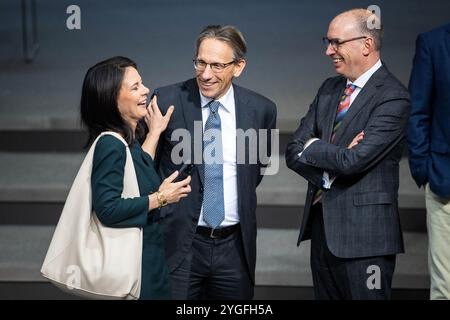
{"points": [[334, 278], [438, 225], [215, 268]]}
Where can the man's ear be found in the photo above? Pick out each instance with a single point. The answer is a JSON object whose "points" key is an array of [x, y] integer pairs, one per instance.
{"points": [[239, 67], [369, 46]]}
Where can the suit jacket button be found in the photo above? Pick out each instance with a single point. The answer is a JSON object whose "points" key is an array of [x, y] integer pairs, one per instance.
{"points": [[201, 189]]}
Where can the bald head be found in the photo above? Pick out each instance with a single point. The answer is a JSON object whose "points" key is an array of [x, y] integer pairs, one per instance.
{"points": [[353, 46], [363, 22]]}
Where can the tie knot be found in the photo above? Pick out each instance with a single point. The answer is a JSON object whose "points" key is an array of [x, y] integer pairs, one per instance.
{"points": [[349, 89], [214, 106]]}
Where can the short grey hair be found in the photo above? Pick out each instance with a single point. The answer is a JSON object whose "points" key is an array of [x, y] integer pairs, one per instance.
{"points": [[229, 34], [362, 17]]}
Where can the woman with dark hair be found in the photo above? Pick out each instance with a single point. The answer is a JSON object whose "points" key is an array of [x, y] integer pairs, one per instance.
{"points": [[115, 99]]}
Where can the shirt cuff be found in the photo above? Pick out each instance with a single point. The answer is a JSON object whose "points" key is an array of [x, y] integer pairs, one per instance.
{"points": [[307, 144], [326, 181]]}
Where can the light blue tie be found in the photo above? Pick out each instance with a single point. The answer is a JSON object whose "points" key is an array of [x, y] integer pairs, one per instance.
{"points": [[213, 204]]}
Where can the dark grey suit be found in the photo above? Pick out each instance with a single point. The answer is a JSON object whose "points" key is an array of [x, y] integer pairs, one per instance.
{"points": [[360, 211], [253, 111]]}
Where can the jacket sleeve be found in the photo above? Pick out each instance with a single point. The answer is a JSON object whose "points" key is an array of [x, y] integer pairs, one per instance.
{"points": [[305, 131], [421, 88], [384, 130], [107, 185]]}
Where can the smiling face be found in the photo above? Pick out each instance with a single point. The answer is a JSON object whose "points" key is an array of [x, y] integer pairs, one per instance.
{"points": [[132, 98], [350, 58], [215, 84]]}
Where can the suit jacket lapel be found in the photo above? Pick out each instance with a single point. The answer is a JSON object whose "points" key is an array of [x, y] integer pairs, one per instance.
{"points": [[243, 112], [364, 96], [243, 121], [331, 114], [192, 112]]}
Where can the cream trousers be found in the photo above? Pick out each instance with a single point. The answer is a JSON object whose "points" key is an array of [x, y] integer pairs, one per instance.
{"points": [[438, 225]]}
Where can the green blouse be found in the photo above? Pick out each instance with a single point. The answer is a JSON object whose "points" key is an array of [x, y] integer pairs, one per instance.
{"points": [[113, 211]]}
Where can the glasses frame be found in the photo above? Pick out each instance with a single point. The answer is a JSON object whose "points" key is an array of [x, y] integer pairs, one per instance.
{"points": [[336, 43], [213, 65]]}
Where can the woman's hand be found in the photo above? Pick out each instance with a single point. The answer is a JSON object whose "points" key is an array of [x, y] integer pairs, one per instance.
{"points": [[156, 122], [174, 191]]}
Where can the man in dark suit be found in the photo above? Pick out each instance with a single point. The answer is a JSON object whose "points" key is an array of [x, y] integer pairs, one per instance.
{"points": [[429, 147], [348, 147], [210, 236]]}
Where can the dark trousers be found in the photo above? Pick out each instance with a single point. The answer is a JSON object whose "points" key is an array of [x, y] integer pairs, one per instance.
{"points": [[213, 269], [335, 278]]}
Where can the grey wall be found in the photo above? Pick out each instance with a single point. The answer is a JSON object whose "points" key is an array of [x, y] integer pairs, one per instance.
{"points": [[286, 59]]}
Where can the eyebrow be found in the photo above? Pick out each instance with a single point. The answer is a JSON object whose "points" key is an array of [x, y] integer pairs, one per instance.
{"points": [[215, 62], [136, 83]]}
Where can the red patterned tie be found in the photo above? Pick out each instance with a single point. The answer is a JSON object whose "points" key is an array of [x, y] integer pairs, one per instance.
{"points": [[342, 109]]}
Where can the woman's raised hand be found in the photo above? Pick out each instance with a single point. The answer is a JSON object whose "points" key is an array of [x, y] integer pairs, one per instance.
{"points": [[156, 122]]}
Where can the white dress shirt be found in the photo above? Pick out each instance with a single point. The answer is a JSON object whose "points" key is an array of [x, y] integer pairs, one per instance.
{"points": [[227, 113], [359, 83], [362, 80]]}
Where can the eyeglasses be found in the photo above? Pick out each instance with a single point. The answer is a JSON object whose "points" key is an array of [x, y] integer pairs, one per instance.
{"points": [[336, 43], [216, 67]]}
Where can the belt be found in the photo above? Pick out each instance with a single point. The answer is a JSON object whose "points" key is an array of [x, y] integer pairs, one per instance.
{"points": [[217, 233]]}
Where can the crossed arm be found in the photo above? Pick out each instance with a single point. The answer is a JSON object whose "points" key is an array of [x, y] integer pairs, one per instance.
{"points": [[384, 130], [307, 130]]}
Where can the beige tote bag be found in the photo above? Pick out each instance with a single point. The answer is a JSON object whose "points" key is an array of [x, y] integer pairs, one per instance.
{"points": [[86, 258]]}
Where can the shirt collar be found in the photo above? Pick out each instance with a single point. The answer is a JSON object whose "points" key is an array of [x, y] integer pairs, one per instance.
{"points": [[226, 100], [362, 80]]}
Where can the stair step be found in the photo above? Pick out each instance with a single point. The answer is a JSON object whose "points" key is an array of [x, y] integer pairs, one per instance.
{"points": [[272, 217], [46, 291], [47, 177], [280, 262], [37, 177], [63, 140], [43, 141]]}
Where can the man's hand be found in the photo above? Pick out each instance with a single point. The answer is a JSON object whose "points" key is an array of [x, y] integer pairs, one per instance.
{"points": [[356, 140]]}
